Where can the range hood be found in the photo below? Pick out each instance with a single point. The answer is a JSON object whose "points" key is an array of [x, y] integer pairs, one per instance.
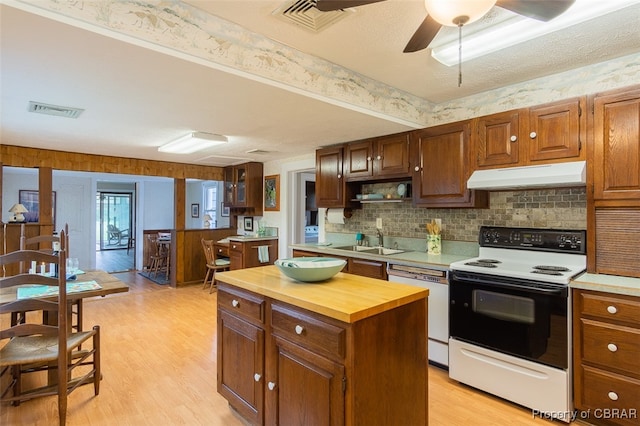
{"points": [[542, 176]]}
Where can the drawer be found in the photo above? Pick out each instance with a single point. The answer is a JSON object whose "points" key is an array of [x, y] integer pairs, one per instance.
{"points": [[222, 250], [613, 346], [611, 307], [308, 330], [604, 392], [236, 246], [241, 303], [368, 268]]}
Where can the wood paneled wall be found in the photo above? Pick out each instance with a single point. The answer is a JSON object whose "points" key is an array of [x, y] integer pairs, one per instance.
{"points": [[187, 258]]}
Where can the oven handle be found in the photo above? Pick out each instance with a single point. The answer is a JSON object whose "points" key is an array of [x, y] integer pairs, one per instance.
{"points": [[512, 283]]}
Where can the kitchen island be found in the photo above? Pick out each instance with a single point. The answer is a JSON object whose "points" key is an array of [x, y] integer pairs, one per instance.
{"points": [[349, 350]]}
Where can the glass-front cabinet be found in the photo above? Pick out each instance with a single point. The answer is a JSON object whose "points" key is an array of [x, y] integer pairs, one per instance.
{"points": [[243, 187]]}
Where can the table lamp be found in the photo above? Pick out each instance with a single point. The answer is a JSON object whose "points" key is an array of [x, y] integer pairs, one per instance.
{"points": [[207, 221], [17, 210]]}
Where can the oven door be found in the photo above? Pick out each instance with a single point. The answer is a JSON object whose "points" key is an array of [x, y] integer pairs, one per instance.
{"points": [[518, 317]]}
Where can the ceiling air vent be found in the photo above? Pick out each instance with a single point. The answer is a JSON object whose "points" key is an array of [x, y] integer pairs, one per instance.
{"points": [[258, 151], [305, 14], [56, 110]]}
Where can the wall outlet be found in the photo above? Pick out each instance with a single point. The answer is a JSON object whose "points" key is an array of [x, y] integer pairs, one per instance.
{"points": [[379, 222]]}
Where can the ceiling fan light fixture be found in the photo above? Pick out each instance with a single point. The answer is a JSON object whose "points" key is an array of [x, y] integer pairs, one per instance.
{"points": [[454, 13], [192, 142], [518, 29]]}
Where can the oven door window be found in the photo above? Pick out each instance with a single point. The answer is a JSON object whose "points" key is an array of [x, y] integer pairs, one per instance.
{"points": [[504, 306], [526, 324]]}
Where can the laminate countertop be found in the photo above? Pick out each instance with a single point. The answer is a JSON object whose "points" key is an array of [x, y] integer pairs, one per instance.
{"points": [[345, 297], [607, 283]]}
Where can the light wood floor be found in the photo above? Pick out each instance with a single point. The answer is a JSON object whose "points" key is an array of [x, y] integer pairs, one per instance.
{"points": [[159, 367]]}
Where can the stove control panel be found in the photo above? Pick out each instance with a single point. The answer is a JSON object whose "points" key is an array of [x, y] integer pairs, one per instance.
{"points": [[550, 240]]}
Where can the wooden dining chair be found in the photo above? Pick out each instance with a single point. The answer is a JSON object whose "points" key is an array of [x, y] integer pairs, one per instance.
{"points": [[34, 346], [159, 257], [213, 263], [34, 243]]}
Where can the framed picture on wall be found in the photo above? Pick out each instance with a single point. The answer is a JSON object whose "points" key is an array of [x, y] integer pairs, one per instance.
{"points": [[195, 210], [224, 211], [31, 201], [248, 223], [272, 193]]}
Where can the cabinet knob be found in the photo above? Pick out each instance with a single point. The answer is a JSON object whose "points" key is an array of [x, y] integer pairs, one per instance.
{"points": [[235, 303], [612, 309], [533, 135], [339, 176], [299, 329], [257, 377], [612, 347], [613, 396], [513, 138], [379, 157], [416, 168], [271, 385], [368, 158]]}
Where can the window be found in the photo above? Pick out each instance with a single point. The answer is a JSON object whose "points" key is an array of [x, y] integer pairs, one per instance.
{"points": [[210, 198]]}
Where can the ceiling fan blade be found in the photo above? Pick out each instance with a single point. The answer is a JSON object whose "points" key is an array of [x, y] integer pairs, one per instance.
{"points": [[536, 9], [423, 35], [329, 5]]}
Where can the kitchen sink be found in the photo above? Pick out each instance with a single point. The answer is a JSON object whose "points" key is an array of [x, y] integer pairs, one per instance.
{"points": [[383, 251]]}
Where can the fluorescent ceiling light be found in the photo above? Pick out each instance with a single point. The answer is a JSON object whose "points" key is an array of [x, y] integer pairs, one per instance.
{"points": [[519, 29], [194, 141]]}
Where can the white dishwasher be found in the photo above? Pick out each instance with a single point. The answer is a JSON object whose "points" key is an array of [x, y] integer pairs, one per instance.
{"points": [[437, 281]]}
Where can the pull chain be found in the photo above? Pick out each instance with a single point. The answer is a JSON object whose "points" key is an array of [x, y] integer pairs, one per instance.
{"points": [[459, 54]]}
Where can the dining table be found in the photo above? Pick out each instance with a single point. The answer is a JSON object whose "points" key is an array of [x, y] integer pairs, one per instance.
{"points": [[98, 283]]}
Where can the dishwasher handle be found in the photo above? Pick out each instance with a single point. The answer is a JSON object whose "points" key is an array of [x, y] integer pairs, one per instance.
{"points": [[419, 273]]}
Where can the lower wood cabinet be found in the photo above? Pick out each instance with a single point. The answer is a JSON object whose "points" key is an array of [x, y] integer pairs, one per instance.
{"points": [[606, 357], [279, 364], [245, 254]]}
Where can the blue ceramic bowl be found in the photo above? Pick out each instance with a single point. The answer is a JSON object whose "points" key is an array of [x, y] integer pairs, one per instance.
{"points": [[310, 269]]}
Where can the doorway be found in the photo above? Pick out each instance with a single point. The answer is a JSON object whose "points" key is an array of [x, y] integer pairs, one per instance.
{"points": [[115, 231]]}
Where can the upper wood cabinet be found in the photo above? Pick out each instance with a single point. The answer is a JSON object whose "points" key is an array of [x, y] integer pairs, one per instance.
{"points": [[243, 187], [543, 134], [385, 157], [442, 169], [331, 188], [613, 183], [616, 146]]}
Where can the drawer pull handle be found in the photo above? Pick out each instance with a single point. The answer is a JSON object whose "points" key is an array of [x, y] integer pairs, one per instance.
{"points": [[612, 347], [271, 385], [299, 329], [612, 309], [613, 396], [235, 303], [257, 377]]}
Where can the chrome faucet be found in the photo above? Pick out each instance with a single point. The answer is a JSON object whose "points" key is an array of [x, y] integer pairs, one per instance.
{"points": [[380, 238]]}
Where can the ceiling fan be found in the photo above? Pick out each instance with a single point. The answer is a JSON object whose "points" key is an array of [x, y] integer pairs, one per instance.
{"points": [[457, 13]]}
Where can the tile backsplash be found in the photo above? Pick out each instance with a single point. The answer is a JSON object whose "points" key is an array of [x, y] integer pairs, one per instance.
{"points": [[545, 208]]}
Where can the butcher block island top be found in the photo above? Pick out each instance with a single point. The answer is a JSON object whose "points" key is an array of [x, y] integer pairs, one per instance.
{"points": [[345, 297], [347, 351]]}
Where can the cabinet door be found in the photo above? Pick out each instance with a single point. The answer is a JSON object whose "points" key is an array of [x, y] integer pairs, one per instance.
{"points": [[241, 366], [251, 255], [229, 186], [616, 147], [358, 160], [241, 186], [556, 131], [440, 178], [330, 186], [391, 158], [497, 140], [308, 390]]}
